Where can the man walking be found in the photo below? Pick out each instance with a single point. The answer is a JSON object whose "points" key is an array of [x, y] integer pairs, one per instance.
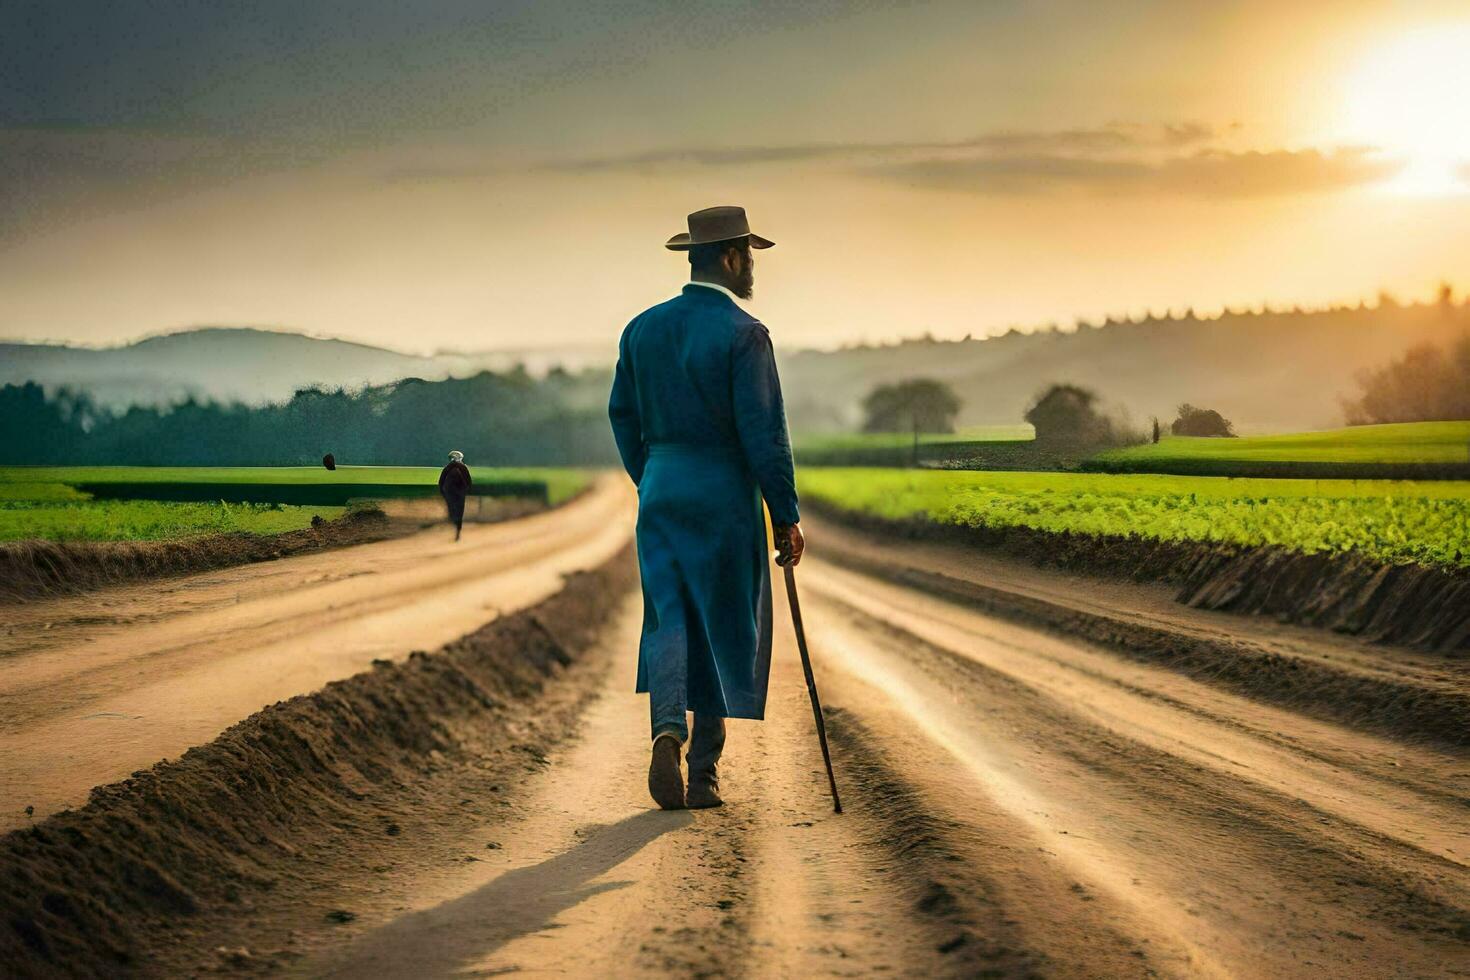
{"points": [[697, 412], [454, 486]]}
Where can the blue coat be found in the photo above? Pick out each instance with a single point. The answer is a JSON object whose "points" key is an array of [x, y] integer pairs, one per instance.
{"points": [[697, 413]]}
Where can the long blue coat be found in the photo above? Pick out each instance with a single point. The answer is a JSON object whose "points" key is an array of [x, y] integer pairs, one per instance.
{"points": [[697, 413]]}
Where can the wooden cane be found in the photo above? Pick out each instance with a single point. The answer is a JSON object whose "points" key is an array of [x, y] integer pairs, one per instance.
{"points": [[811, 682]]}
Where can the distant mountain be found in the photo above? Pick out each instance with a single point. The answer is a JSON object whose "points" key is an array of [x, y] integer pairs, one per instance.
{"points": [[1266, 372], [1270, 372], [244, 364]]}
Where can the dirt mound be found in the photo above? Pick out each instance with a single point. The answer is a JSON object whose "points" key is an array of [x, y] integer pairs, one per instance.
{"points": [[38, 569], [1410, 605], [87, 891]]}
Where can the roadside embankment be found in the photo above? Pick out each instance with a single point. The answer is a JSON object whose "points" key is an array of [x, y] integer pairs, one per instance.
{"points": [[1405, 604], [39, 569], [1336, 680], [1413, 605], [148, 863]]}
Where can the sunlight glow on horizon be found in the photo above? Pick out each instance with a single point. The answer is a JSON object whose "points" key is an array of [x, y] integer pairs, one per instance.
{"points": [[1411, 98], [951, 167]]}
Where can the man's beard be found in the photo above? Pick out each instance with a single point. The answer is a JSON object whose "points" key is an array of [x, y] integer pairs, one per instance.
{"points": [[745, 286]]}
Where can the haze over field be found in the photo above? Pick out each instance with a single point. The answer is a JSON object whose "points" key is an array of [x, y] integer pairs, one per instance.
{"points": [[503, 177], [252, 366], [1268, 372]]}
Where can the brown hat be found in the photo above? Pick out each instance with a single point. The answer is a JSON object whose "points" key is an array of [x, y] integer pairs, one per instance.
{"points": [[716, 225]]}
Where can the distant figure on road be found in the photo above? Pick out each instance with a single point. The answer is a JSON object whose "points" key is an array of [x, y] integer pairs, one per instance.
{"points": [[454, 486], [329, 461], [697, 412]]}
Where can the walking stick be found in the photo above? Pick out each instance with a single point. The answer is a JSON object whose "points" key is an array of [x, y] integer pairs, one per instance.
{"points": [[811, 682]]}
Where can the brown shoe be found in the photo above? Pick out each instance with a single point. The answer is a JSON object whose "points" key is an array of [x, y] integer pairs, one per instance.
{"points": [[703, 794], [665, 777]]}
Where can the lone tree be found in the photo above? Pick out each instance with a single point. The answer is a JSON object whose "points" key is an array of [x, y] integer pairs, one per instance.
{"points": [[1201, 422], [1069, 413], [917, 405]]}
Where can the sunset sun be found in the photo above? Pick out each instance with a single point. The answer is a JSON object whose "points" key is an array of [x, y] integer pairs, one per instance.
{"points": [[1411, 98]]}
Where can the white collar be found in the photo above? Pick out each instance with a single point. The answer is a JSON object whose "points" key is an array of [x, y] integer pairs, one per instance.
{"points": [[715, 285]]}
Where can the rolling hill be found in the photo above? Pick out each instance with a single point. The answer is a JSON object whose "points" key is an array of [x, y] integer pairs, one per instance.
{"points": [[1272, 372], [1268, 372], [242, 364]]}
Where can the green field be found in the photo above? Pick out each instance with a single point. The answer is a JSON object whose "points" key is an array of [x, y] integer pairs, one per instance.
{"points": [[831, 442], [1369, 450], [148, 520], [1395, 521], [897, 448], [120, 503]]}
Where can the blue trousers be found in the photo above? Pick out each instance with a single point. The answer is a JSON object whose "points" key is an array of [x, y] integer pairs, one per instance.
{"points": [[668, 685]]}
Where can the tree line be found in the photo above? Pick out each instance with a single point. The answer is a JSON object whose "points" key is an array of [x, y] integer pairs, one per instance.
{"points": [[1429, 383], [496, 419]]}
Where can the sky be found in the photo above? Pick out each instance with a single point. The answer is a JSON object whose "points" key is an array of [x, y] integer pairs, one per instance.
{"points": [[467, 176]]}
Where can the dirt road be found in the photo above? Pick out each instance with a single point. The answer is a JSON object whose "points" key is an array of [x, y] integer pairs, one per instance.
{"points": [[97, 686], [1018, 804]]}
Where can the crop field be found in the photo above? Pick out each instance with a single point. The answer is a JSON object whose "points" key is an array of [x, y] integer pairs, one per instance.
{"points": [[1415, 448], [148, 520], [1395, 521], [121, 503]]}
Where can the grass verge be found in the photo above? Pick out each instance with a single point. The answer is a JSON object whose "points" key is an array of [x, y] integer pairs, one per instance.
{"points": [[1432, 450]]}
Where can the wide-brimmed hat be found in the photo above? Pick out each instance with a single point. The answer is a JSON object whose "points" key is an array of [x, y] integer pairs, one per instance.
{"points": [[716, 225]]}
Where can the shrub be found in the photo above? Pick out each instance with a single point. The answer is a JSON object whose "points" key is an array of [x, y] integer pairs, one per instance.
{"points": [[1201, 422]]}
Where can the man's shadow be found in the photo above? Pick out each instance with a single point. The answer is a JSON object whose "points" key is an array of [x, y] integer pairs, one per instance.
{"points": [[449, 938]]}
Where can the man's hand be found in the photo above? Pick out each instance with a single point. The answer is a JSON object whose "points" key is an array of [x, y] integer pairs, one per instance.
{"points": [[789, 544]]}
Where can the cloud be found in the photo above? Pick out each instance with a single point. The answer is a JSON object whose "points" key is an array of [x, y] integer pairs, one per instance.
{"points": [[1183, 158], [1257, 174], [1112, 138], [1209, 173]]}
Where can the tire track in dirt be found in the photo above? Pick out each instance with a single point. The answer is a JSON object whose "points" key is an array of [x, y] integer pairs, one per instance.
{"points": [[1414, 794], [1198, 865], [968, 873], [828, 902], [1401, 692]]}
